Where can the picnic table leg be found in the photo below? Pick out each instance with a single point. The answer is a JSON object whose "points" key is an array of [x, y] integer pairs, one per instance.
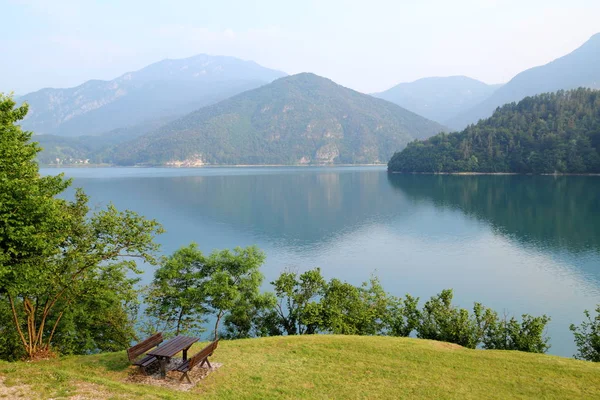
{"points": [[163, 367], [185, 354]]}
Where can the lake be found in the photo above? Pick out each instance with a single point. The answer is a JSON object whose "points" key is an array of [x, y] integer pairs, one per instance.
{"points": [[518, 244]]}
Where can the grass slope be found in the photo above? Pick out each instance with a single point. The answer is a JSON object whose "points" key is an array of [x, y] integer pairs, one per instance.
{"points": [[319, 367]]}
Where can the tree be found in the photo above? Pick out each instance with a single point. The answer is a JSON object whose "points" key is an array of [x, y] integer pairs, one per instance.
{"points": [[587, 337], [297, 308], [189, 286], [442, 321], [175, 298], [352, 310], [234, 280], [51, 253]]}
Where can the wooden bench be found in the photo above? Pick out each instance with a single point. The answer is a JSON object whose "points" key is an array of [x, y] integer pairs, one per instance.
{"points": [[199, 358], [133, 353]]}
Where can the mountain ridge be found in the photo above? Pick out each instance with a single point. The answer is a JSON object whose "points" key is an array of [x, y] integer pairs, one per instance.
{"points": [[162, 89], [439, 98], [298, 119], [579, 68]]}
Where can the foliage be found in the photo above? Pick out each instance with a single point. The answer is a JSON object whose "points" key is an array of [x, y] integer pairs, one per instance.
{"points": [[55, 260], [351, 310], [234, 279], [298, 308], [440, 320], [549, 133], [509, 334], [307, 304], [175, 300], [189, 286], [587, 337], [404, 316], [253, 316], [296, 119]]}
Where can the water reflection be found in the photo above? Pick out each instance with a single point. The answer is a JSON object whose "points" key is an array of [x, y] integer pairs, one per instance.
{"points": [[558, 213], [520, 244]]}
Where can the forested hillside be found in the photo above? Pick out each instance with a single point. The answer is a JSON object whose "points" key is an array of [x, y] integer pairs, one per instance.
{"points": [[301, 119], [549, 133]]}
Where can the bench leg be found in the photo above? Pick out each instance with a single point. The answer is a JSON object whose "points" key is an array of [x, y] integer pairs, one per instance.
{"points": [[207, 362], [163, 367], [185, 375]]}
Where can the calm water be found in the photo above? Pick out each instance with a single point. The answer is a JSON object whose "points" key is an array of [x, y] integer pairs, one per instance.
{"points": [[519, 244]]}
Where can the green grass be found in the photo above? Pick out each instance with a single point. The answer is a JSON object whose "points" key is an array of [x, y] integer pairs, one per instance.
{"points": [[324, 367]]}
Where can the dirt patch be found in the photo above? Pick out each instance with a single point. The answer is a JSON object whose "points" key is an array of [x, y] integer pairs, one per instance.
{"points": [[172, 379], [14, 392], [91, 391]]}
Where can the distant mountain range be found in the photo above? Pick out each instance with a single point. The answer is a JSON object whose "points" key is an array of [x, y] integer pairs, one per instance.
{"points": [[190, 112], [581, 68], [300, 119], [163, 90], [441, 98]]}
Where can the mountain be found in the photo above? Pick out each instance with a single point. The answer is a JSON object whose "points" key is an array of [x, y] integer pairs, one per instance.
{"points": [[439, 98], [166, 89], [300, 119], [549, 133], [581, 68]]}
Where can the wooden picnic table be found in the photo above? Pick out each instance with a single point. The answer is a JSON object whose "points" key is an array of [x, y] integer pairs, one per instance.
{"points": [[168, 349]]}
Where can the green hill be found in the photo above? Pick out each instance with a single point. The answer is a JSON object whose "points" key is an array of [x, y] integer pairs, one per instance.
{"points": [[549, 133], [301, 119], [319, 367]]}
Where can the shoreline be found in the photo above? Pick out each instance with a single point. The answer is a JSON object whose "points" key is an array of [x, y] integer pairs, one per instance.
{"points": [[489, 173], [210, 166]]}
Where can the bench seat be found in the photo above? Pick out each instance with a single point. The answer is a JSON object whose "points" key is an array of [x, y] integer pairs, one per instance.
{"points": [[137, 356], [145, 362], [200, 358]]}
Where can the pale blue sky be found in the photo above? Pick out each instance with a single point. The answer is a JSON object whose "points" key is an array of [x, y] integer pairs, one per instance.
{"points": [[366, 45]]}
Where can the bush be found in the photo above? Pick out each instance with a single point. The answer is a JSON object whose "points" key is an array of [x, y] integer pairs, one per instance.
{"points": [[440, 320], [587, 337]]}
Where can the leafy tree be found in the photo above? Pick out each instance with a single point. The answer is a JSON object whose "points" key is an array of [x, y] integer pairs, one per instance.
{"points": [[509, 334], [175, 299], [587, 337], [351, 310], [442, 321], [52, 254], [404, 316], [189, 286], [253, 316], [298, 310], [234, 280]]}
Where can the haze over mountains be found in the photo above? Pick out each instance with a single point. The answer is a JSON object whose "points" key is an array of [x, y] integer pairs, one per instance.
{"points": [[163, 90], [580, 68], [187, 112], [439, 98], [300, 119]]}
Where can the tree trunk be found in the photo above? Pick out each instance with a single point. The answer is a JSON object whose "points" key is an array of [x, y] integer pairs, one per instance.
{"points": [[217, 324]]}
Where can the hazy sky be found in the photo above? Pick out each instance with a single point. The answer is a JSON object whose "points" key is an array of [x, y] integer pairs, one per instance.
{"points": [[367, 45]]}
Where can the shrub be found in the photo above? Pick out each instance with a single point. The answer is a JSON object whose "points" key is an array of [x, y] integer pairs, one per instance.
{"points": [[587, 337]]}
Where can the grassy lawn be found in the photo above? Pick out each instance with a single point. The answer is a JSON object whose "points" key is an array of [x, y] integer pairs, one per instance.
{"points": [[322, 367]]}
